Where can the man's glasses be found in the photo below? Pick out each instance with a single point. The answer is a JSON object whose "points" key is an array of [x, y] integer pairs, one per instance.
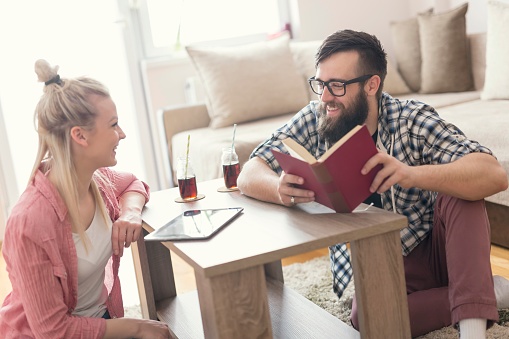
{"points": [[336, 88]]}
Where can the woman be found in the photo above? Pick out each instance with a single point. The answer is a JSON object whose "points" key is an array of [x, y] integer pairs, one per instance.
{"points": [[65, 236]]}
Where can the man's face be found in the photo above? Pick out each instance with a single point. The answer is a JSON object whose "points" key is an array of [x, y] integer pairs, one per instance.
{"points": [[338, 115], [333, 128]]}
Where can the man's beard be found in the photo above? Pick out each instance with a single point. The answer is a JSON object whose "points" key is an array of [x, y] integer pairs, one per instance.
{"points": [[331, 129]]}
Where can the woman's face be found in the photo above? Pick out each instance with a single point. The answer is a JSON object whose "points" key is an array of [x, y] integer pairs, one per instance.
{"points": [[104, 138]]}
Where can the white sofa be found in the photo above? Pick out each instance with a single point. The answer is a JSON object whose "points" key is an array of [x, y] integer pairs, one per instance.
{"points": [[483, 120]]}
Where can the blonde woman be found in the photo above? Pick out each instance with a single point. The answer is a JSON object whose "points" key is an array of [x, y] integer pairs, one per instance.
{"points": [[65, 236]]}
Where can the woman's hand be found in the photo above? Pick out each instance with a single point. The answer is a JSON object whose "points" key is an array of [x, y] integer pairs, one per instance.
{"points": [[136, 328], [127, 228]]}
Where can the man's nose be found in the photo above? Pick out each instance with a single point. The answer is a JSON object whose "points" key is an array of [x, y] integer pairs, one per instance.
{"points": [[326, 94]]}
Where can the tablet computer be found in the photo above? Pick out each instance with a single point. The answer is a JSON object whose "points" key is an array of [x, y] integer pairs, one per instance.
{"points": [[195, 224]]}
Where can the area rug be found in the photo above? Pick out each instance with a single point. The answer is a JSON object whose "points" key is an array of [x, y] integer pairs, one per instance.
{"points": [[312, 280]]}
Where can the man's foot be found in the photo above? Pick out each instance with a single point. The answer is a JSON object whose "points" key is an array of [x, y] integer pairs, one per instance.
{"points": [[501, 291]]}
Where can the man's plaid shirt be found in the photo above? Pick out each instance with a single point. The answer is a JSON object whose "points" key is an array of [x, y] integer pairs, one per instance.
{"points": [[413, 133]]}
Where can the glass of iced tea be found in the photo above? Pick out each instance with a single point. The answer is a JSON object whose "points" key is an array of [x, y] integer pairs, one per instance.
{"points": [[186, 179], [231, 167]]}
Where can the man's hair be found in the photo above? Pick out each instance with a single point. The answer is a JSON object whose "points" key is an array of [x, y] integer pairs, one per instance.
{"points": [[373, 59]]}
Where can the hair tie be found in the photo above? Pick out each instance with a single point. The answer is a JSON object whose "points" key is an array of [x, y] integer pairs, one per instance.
{"points": [[54, 80]]}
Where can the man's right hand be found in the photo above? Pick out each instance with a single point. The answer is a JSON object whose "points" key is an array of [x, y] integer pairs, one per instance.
{"points": [[259, 181], [289, 192]]}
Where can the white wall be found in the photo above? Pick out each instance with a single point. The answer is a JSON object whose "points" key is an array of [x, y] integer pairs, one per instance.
{"points": [[319, 18], [165, 79]]}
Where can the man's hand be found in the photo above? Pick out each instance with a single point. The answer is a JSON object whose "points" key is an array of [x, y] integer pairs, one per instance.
{"points": [[289, 194], [259, 181], [393, 172]]}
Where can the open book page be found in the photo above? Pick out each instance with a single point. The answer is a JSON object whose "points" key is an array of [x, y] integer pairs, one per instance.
{"points": [[298, 151], [314, 208]]}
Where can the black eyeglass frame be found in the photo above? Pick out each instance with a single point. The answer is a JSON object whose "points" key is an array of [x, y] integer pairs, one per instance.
{"points": [[344, 83]]}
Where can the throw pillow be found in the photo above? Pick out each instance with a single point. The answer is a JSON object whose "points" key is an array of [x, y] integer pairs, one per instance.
{"points": [[405, 36], [249, 82], [304, 53], [496, 85], [394, 83], [446, 64]]}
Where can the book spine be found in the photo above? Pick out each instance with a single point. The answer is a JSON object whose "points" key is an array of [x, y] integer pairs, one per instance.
{"points": [[336, 200]]}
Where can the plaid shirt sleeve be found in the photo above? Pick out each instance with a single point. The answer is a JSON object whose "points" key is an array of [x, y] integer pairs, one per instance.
{"points": [[302, 128], [417, 135], [432, 140]]}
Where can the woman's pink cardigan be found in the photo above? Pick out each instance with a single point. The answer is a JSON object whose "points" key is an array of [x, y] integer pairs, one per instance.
{"points": [[42, 264]]}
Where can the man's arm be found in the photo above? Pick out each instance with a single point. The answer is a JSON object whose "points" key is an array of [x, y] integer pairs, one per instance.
{"points": [[472, 177], [259, 181]]}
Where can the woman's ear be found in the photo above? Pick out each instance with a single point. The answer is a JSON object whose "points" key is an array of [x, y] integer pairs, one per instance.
{"points": [[372, 85], [78, 135]]}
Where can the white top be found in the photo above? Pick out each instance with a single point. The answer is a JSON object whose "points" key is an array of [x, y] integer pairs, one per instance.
{"points": [[92, 292]]}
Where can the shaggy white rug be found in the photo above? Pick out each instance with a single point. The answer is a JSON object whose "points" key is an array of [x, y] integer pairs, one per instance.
{"points": [[312, 280]]}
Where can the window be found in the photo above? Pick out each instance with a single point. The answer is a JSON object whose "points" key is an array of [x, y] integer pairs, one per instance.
{"points": [[168, 25]]}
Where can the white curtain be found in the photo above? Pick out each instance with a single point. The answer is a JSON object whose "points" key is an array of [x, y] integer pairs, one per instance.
{"points": [[8, 186]]}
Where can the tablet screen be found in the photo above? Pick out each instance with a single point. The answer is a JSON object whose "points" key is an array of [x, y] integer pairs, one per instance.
{"points": [[194, 224]]}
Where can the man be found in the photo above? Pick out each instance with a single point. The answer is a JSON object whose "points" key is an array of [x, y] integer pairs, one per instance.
{"points": [[431, 173]]}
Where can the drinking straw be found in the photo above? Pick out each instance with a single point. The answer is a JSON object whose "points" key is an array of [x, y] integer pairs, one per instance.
{"points": [[233, 142], [187, 155]]}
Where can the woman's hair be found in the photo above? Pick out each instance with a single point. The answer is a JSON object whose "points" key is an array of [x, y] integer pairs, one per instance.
{"points": [[373, 59], [65, 103]]}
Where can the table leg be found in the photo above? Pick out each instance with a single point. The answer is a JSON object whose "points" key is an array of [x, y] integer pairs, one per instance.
{"points": [[235, 305], [380, 287], [274, 270], [154, 275]]}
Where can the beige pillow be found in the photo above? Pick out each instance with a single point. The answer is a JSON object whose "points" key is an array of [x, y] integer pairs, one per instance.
{"points": [[249, 82], [496, 85], [304, 56], [394, 83], [446, 64], [405, 37]]}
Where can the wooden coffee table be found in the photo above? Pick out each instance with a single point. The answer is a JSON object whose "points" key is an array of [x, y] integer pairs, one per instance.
{"points": [[240, 291]]}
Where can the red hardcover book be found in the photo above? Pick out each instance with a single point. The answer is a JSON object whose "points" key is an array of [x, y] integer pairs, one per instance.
{"points": [[336, 177]]}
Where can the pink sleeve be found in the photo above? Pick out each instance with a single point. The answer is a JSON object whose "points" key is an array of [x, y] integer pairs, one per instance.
{"points": [[126, 182], [44, 286]]}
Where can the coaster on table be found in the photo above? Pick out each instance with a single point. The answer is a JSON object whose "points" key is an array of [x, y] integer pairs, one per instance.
{"points": [[224, 189], [198, 197]]}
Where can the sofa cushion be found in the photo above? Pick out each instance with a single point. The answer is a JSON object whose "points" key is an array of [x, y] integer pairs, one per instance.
{"points": [[482, 121], [304, 53], [206, 144], [496, 84], [446, 65], [438, 100], [405, 37], [394, 83], [249, 82]]}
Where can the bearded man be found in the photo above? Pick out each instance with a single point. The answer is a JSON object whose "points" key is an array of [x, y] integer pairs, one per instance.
{"points": [[432, 174]]}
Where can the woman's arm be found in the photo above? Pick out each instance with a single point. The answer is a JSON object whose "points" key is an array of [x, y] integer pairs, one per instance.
{"points": [[136, 328], [127, 228]]}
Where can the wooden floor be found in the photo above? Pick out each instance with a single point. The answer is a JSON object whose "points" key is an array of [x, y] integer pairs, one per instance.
{"points": [[184, 276]]}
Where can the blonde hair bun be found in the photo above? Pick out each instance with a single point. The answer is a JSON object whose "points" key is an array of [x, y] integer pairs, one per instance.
{"points": [[44, 70]]}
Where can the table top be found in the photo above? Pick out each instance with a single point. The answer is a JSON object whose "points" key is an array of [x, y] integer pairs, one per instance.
{"points": [[264, 232]]}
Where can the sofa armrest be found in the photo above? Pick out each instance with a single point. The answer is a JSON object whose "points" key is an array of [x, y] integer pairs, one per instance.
{"points": [[176, 119]]}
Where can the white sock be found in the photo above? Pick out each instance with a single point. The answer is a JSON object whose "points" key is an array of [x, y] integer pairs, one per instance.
{"points": [[501, 291], [473, 328]]}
